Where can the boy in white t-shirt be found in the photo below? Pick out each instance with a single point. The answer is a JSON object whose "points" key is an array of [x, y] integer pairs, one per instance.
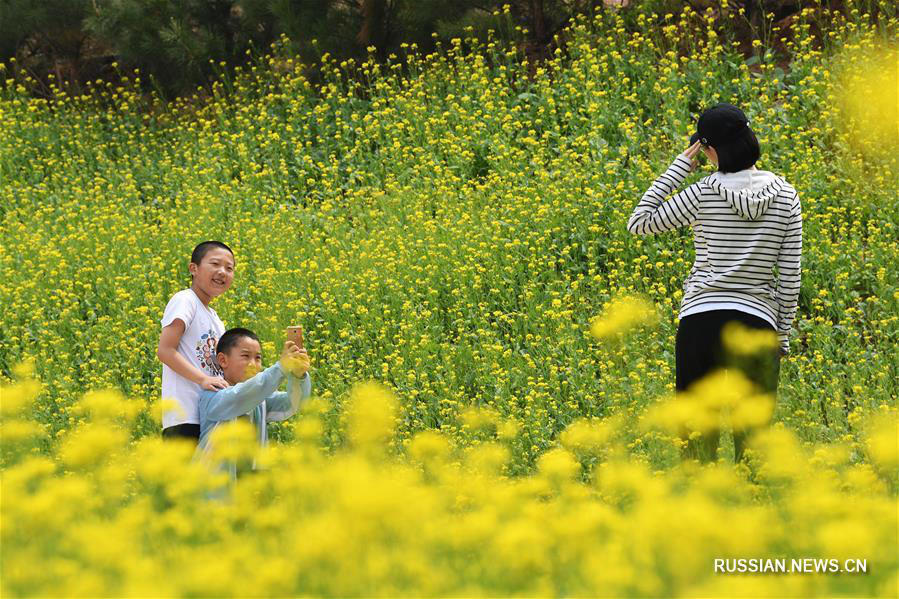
{"points": [[190, 332]]}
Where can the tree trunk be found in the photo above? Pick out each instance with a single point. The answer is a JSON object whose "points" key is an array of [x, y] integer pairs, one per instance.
{"points": [[539, 19], [372, 32]]}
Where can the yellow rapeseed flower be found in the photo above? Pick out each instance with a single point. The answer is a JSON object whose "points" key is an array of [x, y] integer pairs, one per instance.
{"points": [[622, 314]]}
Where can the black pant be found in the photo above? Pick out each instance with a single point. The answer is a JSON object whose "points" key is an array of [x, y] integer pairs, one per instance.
{"points": [[699, 350], [182, 431]]}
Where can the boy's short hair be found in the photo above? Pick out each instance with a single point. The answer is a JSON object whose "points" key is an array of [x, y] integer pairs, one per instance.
{"points": [[231, 337], [204, 248]]}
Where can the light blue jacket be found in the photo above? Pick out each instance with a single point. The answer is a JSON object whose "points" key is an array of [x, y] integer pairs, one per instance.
{"points": [[256, 398]]}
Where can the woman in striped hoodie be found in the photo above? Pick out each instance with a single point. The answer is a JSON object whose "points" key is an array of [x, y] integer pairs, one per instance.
{"points": [[747, 233]]}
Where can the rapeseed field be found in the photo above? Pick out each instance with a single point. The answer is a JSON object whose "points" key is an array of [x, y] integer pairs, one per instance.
{"points": [[492, 351]]}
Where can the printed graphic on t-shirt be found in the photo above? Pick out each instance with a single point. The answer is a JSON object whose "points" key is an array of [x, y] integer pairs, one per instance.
{"points": [[206, 353]]}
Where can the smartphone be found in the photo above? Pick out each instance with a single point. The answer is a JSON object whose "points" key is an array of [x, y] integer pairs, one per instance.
{"points": [[295, 334]]}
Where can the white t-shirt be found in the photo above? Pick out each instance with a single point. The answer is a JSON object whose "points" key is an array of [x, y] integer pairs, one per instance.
{"points": [[202, 330]]}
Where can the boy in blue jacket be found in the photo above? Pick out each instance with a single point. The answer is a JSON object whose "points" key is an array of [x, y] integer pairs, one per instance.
{"points": [[253, 394]]}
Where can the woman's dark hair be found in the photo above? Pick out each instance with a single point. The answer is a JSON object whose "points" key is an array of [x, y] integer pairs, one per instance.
{"points": [[203, 248], [740, 153], [231, 337]]}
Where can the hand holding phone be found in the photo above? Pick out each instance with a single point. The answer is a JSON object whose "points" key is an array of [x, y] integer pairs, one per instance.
{"points": [[294, 360], [295, 334]]}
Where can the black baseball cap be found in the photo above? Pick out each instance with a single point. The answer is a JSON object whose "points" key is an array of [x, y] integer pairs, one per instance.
{"points": [[721, 125]]}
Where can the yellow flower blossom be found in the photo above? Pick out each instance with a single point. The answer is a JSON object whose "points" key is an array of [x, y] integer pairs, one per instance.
{"points": [[622, 314]]}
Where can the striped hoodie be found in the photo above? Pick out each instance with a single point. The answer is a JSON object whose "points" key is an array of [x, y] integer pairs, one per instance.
{"points": [[745, 224]]}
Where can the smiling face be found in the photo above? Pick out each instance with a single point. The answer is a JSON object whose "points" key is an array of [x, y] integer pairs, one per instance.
{"points": [[242, 360], [213, 275]]}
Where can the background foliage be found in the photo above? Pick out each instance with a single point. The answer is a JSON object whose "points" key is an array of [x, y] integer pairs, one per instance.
{"points": [[448, 228], [182, 44]]}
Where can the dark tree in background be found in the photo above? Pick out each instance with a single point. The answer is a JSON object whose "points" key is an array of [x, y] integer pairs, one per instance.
{"points": [[48, 36], [182, 44], [173, 40]]}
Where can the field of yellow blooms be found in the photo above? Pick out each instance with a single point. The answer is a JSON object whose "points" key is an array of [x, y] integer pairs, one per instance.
{"points": [[492, 413]]}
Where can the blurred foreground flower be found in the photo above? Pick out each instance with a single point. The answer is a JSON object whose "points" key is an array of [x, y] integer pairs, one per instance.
{"points": [[700, 408], [590, 437], [370, 415], [867, 92], [480, 418], [621, 315], [741, 340], [235, 441], [883, 441], [163, 406], [103, 516]]}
